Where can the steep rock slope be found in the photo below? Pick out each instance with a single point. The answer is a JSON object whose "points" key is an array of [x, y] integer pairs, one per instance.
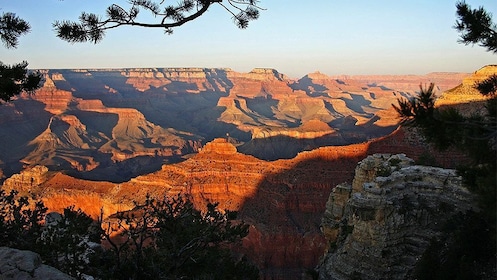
{"points": [[380, 225], [115, 124], [283, 200]]}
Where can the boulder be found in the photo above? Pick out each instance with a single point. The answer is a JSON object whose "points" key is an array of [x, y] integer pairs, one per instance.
{"points": [[21, 264]]}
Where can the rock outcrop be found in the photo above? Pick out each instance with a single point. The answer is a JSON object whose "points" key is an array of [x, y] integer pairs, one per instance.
{"points": [[27, 180], [465, 97], [20, 264], [379, 226]]}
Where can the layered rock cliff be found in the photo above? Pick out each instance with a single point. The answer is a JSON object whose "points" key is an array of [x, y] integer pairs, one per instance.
{"points": [[115, 124], [465, 97], [283, 200], [379, 226]]}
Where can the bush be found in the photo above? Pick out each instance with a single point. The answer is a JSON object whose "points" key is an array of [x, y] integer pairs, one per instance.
{"points": [[20, 222], [159, 239], [170, 239]]}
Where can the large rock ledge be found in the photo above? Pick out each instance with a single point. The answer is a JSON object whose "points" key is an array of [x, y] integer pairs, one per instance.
{"points": [[379, 226], [20, 264]]}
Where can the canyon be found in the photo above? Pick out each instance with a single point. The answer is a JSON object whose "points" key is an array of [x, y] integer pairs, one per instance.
{"points": [[270, 147], [282, 200], [116, 124]]}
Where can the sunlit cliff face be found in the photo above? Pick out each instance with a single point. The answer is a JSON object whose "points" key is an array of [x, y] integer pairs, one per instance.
{"points": [[115, 124], [283, 200]]}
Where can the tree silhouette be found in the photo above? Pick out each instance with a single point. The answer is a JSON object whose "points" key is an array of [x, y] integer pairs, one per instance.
{"points": [[92, 27], [20, 221], [476, 136], [16, 78], [159, 239], [11, 28], [169, 239], [476, 26]]}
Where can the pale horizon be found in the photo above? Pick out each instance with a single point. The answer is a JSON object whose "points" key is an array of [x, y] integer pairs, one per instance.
{"points": [[335, 38]]}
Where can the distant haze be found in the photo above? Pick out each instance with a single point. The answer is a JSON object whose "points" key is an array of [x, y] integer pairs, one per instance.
{"points": [[295, 37]]}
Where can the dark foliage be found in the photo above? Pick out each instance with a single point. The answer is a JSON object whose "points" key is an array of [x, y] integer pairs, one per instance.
{"points": [[159, 239], [467, 250], [20, 222], [488, 86], [473, 134], [170, 239], [464, 251], [65, 241], [476, 27], [11, 28], [92, 27], [15, 79]]}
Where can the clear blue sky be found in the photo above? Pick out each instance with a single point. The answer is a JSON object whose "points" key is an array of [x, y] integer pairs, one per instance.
{"points": [[294, 37]]}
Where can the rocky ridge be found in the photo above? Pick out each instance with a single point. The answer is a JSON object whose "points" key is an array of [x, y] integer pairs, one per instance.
{"points": [[379, 226], [465, 97]]}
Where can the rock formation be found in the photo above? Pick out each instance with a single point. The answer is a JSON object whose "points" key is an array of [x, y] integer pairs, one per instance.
{"points": [[142, 131], [379, 226], [20, 264], [465, 97], [283, 200], [115, 124]]}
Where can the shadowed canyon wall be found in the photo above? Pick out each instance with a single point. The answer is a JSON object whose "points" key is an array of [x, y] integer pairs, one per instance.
{"points": [[282, 200], [115, 124]]}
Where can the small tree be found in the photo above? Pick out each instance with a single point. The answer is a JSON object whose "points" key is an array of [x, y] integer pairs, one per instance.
{"points": [[170, 239], [66, 240], [20, 222], [16, 78]]}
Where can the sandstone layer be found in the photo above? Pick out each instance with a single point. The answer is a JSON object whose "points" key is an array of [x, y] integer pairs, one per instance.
{"points": [[205, 132], [465, 97], [115, 124]]}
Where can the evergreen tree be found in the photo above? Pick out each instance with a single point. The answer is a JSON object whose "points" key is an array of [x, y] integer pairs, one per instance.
{"points": [[16, 78], [469, 250], [20, 222], [66, 241], [476, 26], [159, 239], [92, 27], [11, 28]]}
